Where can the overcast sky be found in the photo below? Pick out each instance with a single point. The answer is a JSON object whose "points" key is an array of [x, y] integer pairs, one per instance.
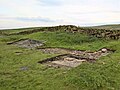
{"points": [[26, 13]]}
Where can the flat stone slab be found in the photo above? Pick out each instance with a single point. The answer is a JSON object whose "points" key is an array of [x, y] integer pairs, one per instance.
{"points": [[68, 62], [65, 60]]}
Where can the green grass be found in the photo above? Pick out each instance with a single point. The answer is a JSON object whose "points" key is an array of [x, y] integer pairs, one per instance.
{"points": [[68, 40], [104, 74]]}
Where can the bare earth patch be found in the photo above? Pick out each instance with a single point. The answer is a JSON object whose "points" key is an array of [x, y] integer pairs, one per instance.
{"points": [[55, 50], [27, 43]]}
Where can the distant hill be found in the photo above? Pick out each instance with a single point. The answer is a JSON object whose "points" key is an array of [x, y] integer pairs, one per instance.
{"points": [[109, 27]]}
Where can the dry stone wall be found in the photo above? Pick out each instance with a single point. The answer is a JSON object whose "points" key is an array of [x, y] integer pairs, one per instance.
{"points": [[99, 33]]}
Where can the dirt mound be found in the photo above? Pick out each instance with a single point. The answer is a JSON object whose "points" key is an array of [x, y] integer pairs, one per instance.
{"points": [[73, 58], [27, 43]]}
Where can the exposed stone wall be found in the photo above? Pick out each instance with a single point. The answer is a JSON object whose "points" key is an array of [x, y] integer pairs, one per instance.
{"points": [[102, 33], [99, 33]]}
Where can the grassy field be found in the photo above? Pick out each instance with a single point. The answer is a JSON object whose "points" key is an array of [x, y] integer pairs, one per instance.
{"points": [[22, 72]]}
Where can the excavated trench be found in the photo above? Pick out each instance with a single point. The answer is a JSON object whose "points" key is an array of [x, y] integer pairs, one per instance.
{"points": [[65, 60], [66, 57], [72, 58]]}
